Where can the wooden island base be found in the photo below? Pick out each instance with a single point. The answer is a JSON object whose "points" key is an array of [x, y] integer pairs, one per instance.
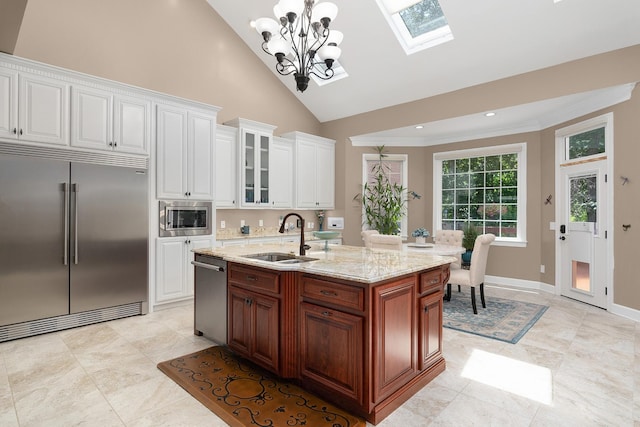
{"points": [[366, 343]]}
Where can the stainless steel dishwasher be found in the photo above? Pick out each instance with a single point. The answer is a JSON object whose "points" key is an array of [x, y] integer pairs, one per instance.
{"points": [[210, 300]]}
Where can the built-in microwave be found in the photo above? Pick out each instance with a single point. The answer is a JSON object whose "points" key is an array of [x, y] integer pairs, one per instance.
{"points": [[185, 218]]}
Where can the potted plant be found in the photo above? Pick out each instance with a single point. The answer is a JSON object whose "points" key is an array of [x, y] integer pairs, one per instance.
{"points": [[468, 241], [384, 201], [421, 235]]}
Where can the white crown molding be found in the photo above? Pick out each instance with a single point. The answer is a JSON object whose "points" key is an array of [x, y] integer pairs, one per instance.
{"points": [[532, 117]]}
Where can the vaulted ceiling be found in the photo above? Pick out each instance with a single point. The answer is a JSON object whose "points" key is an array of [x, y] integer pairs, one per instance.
{"points": [[493, 39]]}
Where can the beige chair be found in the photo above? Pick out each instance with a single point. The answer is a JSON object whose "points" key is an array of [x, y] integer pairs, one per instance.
{"points": [[450, 238], [365, 236], [475, 275], [385, 241]]}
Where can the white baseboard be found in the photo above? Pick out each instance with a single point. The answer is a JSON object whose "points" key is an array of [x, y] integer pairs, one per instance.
{"points": [[508, 282], [519, 283], [627, 312]]}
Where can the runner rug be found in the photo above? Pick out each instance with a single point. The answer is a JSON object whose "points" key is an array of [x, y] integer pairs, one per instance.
{"points": [[244, 395], [503, 319]]}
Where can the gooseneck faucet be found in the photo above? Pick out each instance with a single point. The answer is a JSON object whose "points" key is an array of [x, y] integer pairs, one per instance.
{"points": [[303, 247]]}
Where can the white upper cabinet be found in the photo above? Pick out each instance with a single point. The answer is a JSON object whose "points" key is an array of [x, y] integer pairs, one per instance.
{"points": [[226, 167], [8, 103], [104, 121], [33, 108], [314, 171], [254, 145], [185, 141], [281, 173], [201, 139]]}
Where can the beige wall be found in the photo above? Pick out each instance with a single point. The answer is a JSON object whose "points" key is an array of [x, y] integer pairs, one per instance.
{"points": [[179, 47], [182, 47]]}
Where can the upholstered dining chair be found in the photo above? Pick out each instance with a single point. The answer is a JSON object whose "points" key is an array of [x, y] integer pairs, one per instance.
{"points": [[385, 241], [475, 275], [365, 236], [450, 238]]}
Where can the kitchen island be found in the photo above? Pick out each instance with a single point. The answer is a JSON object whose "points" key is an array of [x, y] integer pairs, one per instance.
{"points": [[359, 327]]}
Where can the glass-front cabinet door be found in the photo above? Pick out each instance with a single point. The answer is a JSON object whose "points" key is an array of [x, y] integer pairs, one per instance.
{"points": [[264, 168], [255, 175], [254, 150], [249, 168]]}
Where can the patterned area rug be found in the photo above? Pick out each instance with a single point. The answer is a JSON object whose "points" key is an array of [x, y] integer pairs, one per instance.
{"points": [[244, 395], [503, 319]]}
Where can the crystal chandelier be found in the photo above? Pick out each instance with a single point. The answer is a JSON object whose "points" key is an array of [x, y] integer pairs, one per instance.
{"points": [[301, 40]]}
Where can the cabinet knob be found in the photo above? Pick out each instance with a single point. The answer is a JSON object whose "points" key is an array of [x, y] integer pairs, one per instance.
{"points": [[426, 308], [15, 130], [20, 131], [115, 144], [110, 144], [326, 313]]}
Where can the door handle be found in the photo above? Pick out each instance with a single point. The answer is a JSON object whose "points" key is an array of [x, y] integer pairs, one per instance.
{"points": [[75, 189], [207, 266], [65, 188]]}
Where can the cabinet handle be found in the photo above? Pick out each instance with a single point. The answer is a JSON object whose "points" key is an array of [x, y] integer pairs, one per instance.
{"points": [[20, 131], [426, 308], [328, 293], [326, 313], [186, 242], [434, 281], [252, 278], [15, 130], [115, 144], [248, 301]]}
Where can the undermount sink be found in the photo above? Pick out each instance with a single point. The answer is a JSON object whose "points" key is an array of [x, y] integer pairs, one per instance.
{"points": [[280, 257]]}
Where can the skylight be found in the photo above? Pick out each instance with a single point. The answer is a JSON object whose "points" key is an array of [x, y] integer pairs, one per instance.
{"points": [[418, 24]]}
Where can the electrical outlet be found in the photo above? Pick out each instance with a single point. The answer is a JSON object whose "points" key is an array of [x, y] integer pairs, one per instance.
{"points": [[260, 223], [223, 224], [242, 223], [541, 268]]}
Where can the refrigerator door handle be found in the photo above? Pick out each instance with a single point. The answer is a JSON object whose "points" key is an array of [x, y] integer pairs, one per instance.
{"points": [[75, 189], [65, 188]]}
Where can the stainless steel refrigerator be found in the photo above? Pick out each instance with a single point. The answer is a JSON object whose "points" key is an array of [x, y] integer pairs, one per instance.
{"points": [[73, 240]]}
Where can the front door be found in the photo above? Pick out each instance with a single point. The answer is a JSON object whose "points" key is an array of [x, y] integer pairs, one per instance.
{"points": [[582, 237], [583, 213]]}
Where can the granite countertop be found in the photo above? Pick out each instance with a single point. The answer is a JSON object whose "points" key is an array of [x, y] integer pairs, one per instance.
{"points": [[353, 263]]}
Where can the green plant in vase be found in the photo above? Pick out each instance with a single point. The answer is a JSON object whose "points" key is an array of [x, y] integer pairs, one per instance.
{"points": [[468, 241], [384, 202]]}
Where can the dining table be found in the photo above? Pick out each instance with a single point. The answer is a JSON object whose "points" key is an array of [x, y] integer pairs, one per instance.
{"points": [[433, 249]]}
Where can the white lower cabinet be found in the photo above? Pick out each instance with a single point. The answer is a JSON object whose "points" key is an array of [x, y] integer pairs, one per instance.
{"points": [[174, 272]]}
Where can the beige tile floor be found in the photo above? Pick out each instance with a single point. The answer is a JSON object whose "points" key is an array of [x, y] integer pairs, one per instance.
{"points": [[578, 366]]}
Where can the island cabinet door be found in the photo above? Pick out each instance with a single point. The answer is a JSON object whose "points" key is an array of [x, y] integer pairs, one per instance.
{"points": [[395, 338], [254, 327], [430, 329], [239, 324], [331, 350]]}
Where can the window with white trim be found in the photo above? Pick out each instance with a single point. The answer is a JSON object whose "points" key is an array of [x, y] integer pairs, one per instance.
{"points": [[485, 187], [396, 169]]}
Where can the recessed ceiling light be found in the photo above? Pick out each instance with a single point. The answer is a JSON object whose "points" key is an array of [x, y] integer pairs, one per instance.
{"points": [[490, 114], [419, 127]]}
